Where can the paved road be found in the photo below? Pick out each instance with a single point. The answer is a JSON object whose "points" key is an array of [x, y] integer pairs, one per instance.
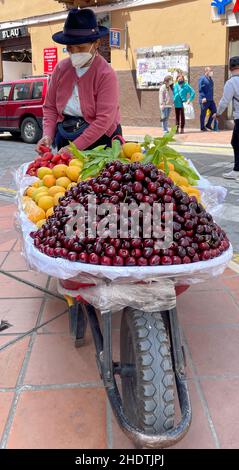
{"points": [[211, 163]]}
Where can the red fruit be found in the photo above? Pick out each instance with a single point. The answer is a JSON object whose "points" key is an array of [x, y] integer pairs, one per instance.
{"points": [[139, 175], [142, 261], [118, 261], [65, 157], [154, 260], [206, 255], [130, 261], [148, 242], [123, 253], [106, 261], [136, 253], [56, 159], [114, 185], [44, 149], [204, 246], [152, 187], [147, 252], [94, 259], [176, 260], [186, 260], [196, 258], [137, 187], [110, 251], [72, 256], [136, 243], [166, 260], [83, 257]]}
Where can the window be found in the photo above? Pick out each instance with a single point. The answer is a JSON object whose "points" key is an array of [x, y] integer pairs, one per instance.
{"points": [[5, 92], [37, 90], [22, 91]]}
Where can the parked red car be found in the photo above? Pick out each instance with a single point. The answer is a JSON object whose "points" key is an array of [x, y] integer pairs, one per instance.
{"points": [[21, 107]]}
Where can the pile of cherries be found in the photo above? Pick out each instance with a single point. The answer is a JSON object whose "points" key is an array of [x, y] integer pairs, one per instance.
{"points": [[195, 235]]}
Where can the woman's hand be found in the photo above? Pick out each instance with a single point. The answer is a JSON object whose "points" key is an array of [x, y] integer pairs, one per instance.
{"points": [[45, 141], [65, 150], [188, 101]]}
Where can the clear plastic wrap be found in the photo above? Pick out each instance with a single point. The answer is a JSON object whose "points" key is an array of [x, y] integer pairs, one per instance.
{"points": [[114, 287], [155, 295], [212, 196]]}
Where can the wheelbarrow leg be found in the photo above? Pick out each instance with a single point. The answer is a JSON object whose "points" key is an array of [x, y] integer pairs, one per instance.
{"points": [[78, 323]]}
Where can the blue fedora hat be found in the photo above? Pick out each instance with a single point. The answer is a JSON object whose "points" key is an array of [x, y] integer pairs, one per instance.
{"points": [[80, 27]]}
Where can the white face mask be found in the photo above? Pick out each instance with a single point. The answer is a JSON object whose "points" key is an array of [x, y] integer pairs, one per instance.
{"points": [[211, 74], [79, 59]]}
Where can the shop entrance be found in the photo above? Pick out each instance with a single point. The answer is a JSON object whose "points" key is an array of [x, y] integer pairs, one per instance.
{"points": [[16, 58]]}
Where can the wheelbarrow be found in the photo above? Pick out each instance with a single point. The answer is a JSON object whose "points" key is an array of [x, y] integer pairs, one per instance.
{"points": [[152, 362]]}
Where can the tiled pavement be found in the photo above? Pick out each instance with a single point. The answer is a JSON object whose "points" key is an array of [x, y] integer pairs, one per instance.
{"points": [[51, 395]]}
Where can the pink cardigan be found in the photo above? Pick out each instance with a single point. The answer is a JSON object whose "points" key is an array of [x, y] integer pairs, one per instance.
{"points": [[99, 99]]}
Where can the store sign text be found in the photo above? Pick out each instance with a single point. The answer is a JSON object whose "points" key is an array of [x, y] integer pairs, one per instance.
{"points": [[13, 33]]}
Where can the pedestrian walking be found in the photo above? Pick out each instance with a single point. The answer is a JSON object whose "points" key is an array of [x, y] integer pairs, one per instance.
{"points": [[166, 101], [231, 93], [182, 93], [206, 99]]}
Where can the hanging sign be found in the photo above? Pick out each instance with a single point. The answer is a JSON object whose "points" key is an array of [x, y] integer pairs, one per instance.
{"points": [[221, 6], [115, 38], [50, 59]]}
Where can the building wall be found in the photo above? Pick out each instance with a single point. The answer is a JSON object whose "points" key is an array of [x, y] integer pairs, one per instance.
{"points": [[172, 22], [41, 37], [12, 10]]}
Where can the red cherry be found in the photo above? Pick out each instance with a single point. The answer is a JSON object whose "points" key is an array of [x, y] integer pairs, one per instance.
{"points": [[94, 259], [106, 261], [83, 257], [118, 261], [139, 175], [142, 261]]}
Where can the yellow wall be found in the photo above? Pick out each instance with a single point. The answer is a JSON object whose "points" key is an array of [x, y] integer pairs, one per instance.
{"points": [[41, 37], [173, 22], [11, 10]]}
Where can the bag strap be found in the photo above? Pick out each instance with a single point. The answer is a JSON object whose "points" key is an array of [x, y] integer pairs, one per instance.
{"points": [[119, 137]]}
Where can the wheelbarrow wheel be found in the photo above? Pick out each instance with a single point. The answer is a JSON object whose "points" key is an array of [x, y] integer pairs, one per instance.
{"points": [[148, 384]]}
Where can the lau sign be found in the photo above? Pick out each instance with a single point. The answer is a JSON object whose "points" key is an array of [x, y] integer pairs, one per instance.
{"points": [[50, 59]]}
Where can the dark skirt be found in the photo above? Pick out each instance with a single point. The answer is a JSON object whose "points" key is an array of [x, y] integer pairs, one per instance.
{"points": [[60, 142]]}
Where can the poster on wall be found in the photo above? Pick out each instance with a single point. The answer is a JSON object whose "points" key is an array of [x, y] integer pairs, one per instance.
{"points": [[154, 63], [50, 59]]}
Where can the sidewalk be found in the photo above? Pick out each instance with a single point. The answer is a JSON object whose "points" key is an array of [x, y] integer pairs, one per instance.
{"points": [[191, 136], [51, 395]]}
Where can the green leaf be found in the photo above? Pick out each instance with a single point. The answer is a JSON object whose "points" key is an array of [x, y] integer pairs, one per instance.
{"points": [[76, 152], [115, 149], [187, 172], [166, 167], [92, 171], [169, 137]]}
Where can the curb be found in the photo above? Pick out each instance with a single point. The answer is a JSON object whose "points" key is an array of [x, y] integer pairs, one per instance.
{"points": [[140, 138]]}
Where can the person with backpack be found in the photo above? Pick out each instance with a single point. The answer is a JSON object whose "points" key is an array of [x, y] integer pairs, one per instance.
{"points": [[231, 93]]}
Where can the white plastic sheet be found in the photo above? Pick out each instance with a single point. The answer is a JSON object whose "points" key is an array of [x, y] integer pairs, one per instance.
{"points": [[116, 287]]}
